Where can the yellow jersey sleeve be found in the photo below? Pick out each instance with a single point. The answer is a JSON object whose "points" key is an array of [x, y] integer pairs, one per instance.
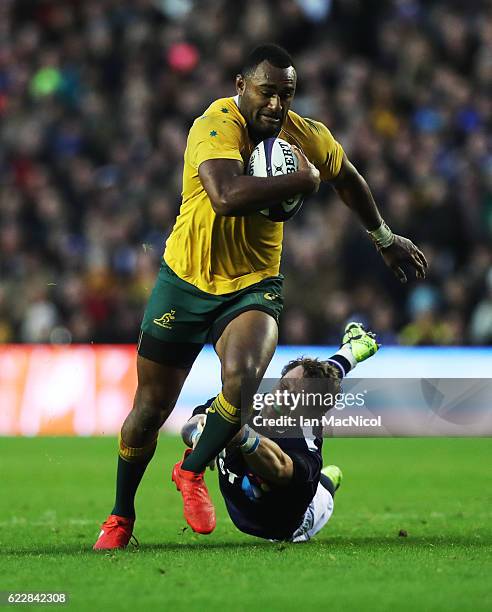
{"points": [[214, 136], [326, 152], [317, 142]]}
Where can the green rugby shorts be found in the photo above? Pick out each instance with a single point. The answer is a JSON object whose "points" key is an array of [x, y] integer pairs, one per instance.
{"points": [[180, 318]]}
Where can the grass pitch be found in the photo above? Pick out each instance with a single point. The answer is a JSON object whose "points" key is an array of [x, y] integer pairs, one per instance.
{"points": [[55, 492]]}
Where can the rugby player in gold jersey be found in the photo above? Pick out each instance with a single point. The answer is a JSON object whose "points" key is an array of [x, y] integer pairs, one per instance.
{"points": [[219, 280]]}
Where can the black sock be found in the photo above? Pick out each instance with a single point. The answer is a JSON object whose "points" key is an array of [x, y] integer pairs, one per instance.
{"points": [[341, 363], [128, 477], [223, 422], [327, 484]]}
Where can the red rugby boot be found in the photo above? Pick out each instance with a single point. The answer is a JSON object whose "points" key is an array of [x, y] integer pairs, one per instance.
{"points": [[198, 509], [116, 532]]}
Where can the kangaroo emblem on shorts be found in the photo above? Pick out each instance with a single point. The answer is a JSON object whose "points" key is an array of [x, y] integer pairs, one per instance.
{"points": [[165, 320]]}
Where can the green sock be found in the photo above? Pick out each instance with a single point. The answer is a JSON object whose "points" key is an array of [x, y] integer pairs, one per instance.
{"points": [[223, 422], [132, 463]]}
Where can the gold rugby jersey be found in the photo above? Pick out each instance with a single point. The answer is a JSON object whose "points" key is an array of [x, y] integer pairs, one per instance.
{"points": [[221, 254]]}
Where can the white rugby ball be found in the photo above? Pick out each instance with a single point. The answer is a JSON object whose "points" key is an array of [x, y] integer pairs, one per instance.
{"points": [[273, 157]]}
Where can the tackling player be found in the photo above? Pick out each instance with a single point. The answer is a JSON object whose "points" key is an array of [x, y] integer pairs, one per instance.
{"points": [[219, 280], [275, 487]]}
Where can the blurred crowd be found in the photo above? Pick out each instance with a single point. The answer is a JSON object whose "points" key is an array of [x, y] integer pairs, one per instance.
{"points": [[97, 96]]}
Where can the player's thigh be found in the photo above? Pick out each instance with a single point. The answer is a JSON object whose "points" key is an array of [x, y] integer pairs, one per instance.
{"points": [[246, 346], [246, 334], [176, 321]]}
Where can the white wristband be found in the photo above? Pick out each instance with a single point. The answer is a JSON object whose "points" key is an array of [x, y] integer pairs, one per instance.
{"points": [[249, 447], [249, 442], [382, 237]]}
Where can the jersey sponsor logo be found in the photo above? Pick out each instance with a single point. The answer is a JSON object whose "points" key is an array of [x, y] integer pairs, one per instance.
{"points": [[270, 296], [166, 319]]}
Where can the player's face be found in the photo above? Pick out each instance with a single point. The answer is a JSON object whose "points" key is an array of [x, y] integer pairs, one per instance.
{"points": [[292, 380], [265, 98]]}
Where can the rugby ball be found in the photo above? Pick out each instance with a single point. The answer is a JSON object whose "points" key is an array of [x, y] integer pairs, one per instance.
{"points": [[273, 157]]}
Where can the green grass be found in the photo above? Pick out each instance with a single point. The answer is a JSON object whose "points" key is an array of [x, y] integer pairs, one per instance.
{"points": [[54, 493]]}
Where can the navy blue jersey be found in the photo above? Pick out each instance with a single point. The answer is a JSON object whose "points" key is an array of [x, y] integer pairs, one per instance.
{"points": [[263, 510]]}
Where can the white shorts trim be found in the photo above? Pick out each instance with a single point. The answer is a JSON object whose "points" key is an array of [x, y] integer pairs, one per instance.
{"points": [[317, 515]]}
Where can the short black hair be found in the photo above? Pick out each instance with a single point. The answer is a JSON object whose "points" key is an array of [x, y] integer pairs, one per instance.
{"points": [[313, 368], [274, 54]]}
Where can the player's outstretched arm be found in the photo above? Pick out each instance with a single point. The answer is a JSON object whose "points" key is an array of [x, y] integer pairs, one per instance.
{"points": [[265, 458], [234, 194], [395, 250]]}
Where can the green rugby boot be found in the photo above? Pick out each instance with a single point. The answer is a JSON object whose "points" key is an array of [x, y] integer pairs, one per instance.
{"points": [[361, 343], [334, 473]]}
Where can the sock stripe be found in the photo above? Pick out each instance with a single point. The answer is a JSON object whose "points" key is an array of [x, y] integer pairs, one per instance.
{"points": [[135, 455], [224, 409], [223, 422], [226, 416], [226, 405]]}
